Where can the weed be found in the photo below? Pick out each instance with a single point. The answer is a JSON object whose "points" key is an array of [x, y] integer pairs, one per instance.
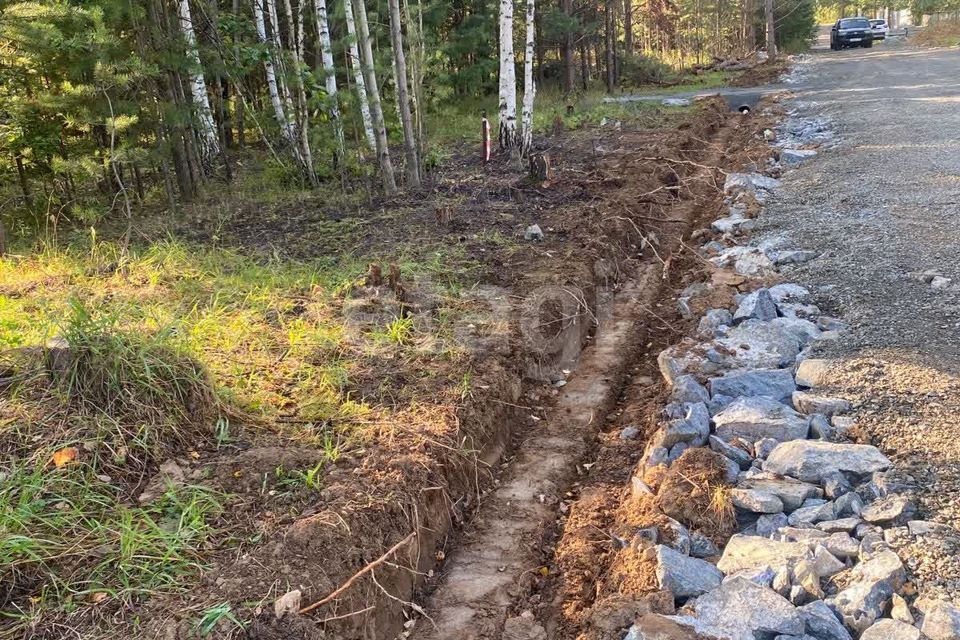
{"points": [[399, 331], [214, 615], [464, 387]]}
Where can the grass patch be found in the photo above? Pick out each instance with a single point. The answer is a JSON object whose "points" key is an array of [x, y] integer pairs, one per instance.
{"points": [[169, 353], [67, 539]]}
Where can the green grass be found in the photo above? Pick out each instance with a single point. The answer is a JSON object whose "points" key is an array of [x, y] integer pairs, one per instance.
{"points": [[172, 350], [67, 539]]}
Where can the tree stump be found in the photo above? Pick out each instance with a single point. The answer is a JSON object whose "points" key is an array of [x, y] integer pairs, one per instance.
{"points": [[374, 276], [540, 167]]}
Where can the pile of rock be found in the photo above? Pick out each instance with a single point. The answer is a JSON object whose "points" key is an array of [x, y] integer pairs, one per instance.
{"points": [[818, 515]]}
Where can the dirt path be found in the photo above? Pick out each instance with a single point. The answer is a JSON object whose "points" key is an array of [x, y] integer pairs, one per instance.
{"points": [[884, 206]]}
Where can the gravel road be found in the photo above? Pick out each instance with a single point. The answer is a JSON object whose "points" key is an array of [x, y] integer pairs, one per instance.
{"points": [[884, 206]]}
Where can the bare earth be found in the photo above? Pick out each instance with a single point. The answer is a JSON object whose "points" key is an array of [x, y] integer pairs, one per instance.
{"points": [[883, 207]]}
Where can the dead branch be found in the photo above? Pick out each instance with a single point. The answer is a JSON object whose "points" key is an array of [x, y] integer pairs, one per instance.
{"points": [[359, 574]]}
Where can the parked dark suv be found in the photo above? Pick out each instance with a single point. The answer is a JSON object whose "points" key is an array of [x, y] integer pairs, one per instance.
{"points": [[851, 32]]}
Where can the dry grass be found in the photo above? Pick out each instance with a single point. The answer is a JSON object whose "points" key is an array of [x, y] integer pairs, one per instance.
{"points": [[939, 34]]}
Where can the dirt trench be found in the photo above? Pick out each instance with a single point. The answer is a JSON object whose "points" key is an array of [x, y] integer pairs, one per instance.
{"points": [[502, 581], [469, 542]]}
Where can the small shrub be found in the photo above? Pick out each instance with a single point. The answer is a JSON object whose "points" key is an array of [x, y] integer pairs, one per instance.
{"points": [[639, 70]]}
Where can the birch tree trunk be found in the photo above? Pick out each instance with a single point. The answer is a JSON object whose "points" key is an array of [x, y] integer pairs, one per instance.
{"points": [[272, 85], [376, 109], [330, 73], [207, 134], [529, 85], [295, 25], [771, 32], [358, 75], [403, 96], [508, 80]]}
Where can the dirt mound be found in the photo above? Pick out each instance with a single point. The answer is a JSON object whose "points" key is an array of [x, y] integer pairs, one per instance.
{"points": [[694, 492]]}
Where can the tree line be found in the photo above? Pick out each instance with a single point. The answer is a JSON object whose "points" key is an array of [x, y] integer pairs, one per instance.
{"points": [[103, 102]]}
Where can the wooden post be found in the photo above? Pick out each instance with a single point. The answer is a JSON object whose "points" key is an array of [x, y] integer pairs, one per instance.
{"points": [[485, 133]]}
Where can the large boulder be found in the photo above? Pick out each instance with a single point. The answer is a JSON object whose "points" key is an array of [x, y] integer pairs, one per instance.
{"points": [[813, 372], [822, 623], [691, 424], [743, 610], [750, 182], [888, 629], [653, 626], [756, 344], [790, 292], [760, 417], [941, 620], [774, 383], [685, 576], [802, 330], [749, 552], [825, 405], [756, 501], [738, 454], [687, 389], [793, 493], [892, 510], [871, 586], [811, 460], [757, 305]]}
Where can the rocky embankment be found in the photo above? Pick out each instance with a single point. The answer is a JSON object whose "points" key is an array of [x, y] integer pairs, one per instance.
{"points": [[819, 516]]}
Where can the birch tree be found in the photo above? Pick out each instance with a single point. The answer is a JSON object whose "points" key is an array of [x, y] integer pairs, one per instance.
{"points": [[358, 76], [403, 96], [329, 72], [373, 93], [302, 113], [207, 134], [508, 79], [529, 84], [287, 130]]}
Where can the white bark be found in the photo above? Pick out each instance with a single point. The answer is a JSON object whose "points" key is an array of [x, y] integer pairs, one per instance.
{"points": [[330, 73], [295, 24], [209, 142], [403, 95], [508, 79], [529, 85], [358, 75], [286, 128], [376, 108], [278, 48]]}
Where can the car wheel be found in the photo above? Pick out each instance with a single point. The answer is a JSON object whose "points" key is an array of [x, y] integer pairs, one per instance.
{"points": [[868, 44]]}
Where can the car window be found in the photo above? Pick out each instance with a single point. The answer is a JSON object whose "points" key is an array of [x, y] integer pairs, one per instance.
{"points": [[854, 23], [877, 23]]}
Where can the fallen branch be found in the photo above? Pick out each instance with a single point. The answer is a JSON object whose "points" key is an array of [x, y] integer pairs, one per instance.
{"points": [[359, 574]]}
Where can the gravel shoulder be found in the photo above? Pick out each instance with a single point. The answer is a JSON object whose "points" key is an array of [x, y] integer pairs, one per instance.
{"points": [[882, 207]]}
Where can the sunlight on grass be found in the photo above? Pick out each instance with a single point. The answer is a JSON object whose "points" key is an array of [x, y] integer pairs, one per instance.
{"points": [[167, 352]]}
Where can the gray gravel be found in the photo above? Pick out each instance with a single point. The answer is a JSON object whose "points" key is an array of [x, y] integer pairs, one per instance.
{"points": [[883, 208]]}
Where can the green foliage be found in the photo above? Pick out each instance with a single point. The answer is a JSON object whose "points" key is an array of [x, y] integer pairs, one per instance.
{"points": [[639, 70], [70, 526]]}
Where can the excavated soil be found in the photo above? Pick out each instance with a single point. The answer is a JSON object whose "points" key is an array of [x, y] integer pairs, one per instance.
{"points": [[620, 199], [617, 216]]}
